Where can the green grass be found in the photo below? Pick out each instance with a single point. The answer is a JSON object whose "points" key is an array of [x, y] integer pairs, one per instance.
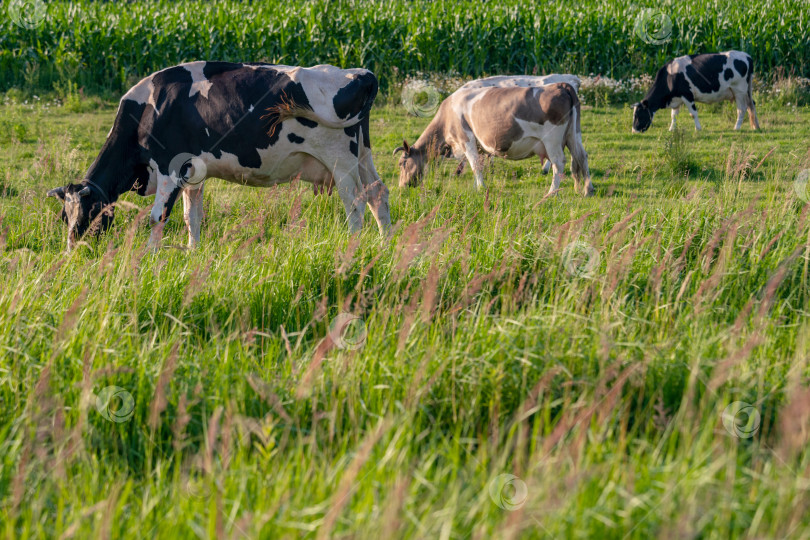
{"points": [[105, 48], [603, 393]]}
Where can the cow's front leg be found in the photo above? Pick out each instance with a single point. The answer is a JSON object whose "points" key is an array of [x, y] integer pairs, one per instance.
{"points": [[471, 153], [193, 213], [673, 114], [547, 166], [693, 112], [165, 197], [352, 194]]}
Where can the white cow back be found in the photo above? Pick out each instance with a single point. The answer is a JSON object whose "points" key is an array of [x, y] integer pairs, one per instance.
{"points": [[523, 81]]}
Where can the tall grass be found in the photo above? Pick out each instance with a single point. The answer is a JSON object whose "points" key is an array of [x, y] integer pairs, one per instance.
{"points": [[104, 47], [601, 388]]}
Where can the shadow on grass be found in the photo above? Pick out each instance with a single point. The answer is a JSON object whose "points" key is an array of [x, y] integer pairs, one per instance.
{"points": [[8, 191]]}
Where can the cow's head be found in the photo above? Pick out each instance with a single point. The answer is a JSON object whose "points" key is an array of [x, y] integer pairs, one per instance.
{"points": [[84, 209], [642, 117], [411, 165]]}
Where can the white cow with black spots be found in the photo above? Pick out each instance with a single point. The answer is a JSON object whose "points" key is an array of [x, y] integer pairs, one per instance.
{"points": [[252, 124], [701, 78]]}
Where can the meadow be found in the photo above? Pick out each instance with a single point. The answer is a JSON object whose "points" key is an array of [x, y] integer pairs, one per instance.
{"points": [[630, 365]]}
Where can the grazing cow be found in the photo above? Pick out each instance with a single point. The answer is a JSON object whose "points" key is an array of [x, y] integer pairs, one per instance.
{"points": [[513, 123], [701, 78], [523, 81], [252, 124]]}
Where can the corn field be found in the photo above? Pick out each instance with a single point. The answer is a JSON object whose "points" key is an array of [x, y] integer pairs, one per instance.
{"points": [[105, 46]]}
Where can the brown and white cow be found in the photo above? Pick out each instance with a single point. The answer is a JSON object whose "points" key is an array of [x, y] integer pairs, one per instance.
{"points": [[524, 81], [512, 123]]}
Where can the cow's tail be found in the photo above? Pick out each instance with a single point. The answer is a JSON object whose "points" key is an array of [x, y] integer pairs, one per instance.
{"points": [[352, 104], [753, 119], [749, 78], [573, 141], [287, 109]]}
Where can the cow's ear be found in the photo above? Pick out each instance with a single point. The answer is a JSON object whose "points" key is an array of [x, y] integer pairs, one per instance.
{"points": [[645, 103], [406, 147], [57, 192]]}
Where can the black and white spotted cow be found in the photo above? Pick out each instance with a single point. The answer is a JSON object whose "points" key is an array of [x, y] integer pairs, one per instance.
{"points": [[252, 124], [701, 78]]}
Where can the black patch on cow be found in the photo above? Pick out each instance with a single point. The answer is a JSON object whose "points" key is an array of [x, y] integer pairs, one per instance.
{"points": [[141, 179], [222, 121], [307, 122], [295, 139], [167, 208], [212, 69], [116, 168], [356, 98], [660, 93], [668, 86], [166, 83], [704, 71], [728, 74], [681, 88], [353, 132], [749, 77], [741, 67], [364, 125]]}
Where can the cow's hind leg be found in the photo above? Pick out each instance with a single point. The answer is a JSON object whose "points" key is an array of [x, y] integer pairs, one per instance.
{"points": [[350, 189], [376, 193], [752, 110], [740, 100], [579, 164], [168, 189], [193, 213], [694, 113], [557, 158]]}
